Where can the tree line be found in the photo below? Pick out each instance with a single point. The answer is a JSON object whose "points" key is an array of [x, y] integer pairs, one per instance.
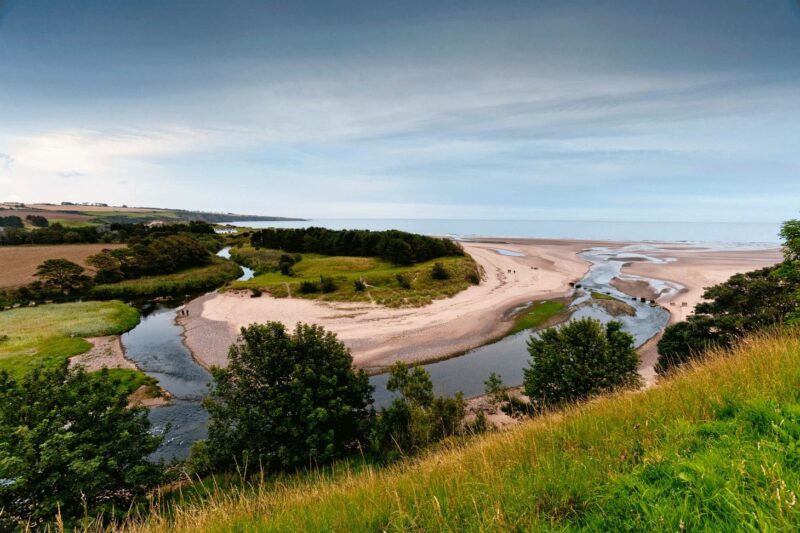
{"points": [[399, 247], [57, 233], [150, 255]]}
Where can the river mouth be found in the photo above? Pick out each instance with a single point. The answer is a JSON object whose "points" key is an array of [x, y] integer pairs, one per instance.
{"points": [[156, 346]]}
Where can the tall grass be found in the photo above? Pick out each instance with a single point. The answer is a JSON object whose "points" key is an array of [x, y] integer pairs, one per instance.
{"points": [[713, 448]]}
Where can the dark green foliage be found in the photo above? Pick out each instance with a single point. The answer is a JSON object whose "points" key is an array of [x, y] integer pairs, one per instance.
{"points": [[743, 304], [403, 281], [69, 440], [37, 221], [417, 418], [113, 233], [579, 360], [474, 277], [327, 284], [286, 400], [309, 287], [439, 272], [11, 222], [359, 285], [61, 275], [398, 247], [256, 293]]}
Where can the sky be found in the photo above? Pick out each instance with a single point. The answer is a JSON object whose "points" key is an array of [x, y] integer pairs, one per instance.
{"points": [[635, 110]]}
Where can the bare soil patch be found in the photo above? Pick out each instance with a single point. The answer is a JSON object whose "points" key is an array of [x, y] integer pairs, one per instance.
{"points": [[18, 263]]}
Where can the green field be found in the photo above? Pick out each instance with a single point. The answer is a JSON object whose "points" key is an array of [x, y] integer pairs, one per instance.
{"points": [[379, 276], [190, 281], [602, 296], [712, 449], [48, 334], [538, 314]]}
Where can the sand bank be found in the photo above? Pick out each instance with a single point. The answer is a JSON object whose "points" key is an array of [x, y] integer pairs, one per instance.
{"points": [[379, 336]]}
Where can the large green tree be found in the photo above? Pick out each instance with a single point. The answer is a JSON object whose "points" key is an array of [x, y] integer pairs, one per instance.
{"points": [[286, 400], [70, 444], [578, 360], [62, 275]]}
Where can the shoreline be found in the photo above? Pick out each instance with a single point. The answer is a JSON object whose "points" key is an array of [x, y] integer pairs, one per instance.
{"points": [[378, 336], [451, 327]]}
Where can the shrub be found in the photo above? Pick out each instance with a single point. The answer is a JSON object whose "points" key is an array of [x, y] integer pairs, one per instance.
{"points": [[579, 360], [255, 293], [327, 284], [286, 400], [403, 281], [474, 278], [439, 272], [417, 418], [359, 285], [309, 287]]}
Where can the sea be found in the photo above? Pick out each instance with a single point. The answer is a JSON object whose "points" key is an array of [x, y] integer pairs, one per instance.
{"points": [[723, 234]]}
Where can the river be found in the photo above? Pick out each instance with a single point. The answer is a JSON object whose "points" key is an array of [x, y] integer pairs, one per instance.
{"points": [[156, 346]]}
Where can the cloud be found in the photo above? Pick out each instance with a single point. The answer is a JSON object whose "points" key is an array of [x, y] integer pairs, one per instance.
{"points": [[6, 161], [70, 174]]}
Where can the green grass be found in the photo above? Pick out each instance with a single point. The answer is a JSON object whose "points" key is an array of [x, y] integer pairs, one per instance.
{"points": [[537, 315], [47, 334], [715, 448], [190, 281], [602, 296], [135, 216], [381, 277], [74, 223], [130, 380]]}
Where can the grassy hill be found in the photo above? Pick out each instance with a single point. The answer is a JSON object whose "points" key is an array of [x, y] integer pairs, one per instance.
{"points": [[716, 448]]}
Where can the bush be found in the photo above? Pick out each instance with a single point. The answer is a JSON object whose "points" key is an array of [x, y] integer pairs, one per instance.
{"points": [[417, 418], [359, 285], [255, 293], [439, 272], [474, 278], [309, 287], [286, 401], [403, 281], [327, 284], [579, 360]]}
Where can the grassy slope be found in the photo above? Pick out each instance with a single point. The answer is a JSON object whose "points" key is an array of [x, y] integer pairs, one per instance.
{"points": [[713, 449], [188, 281], [379, 275], [49, 333]]}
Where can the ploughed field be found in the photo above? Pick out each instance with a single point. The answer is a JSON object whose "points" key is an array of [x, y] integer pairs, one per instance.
{"points": [[18, 263], [354, 279]]}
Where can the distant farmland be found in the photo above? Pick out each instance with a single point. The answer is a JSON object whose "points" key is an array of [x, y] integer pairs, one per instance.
{"points": [[18, 263]]}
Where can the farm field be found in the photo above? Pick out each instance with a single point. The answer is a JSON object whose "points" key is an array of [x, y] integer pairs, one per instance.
{"points": [[381, 284], [47, 334], [18, 263]]}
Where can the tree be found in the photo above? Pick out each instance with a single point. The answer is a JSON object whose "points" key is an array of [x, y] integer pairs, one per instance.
{"points": [[62, 275], [69, 439], [400, 252], [417, 418], [578, 360], [37, 221], [11, 222], [108, 267], [286, 400]]}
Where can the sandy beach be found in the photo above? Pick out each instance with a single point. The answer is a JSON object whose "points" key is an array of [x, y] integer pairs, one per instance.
{"points": [[378, 336]]}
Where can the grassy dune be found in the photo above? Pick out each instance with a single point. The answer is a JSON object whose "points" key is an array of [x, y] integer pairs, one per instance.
{"points": [[380, 277], [712, 449], [49, 333]]}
